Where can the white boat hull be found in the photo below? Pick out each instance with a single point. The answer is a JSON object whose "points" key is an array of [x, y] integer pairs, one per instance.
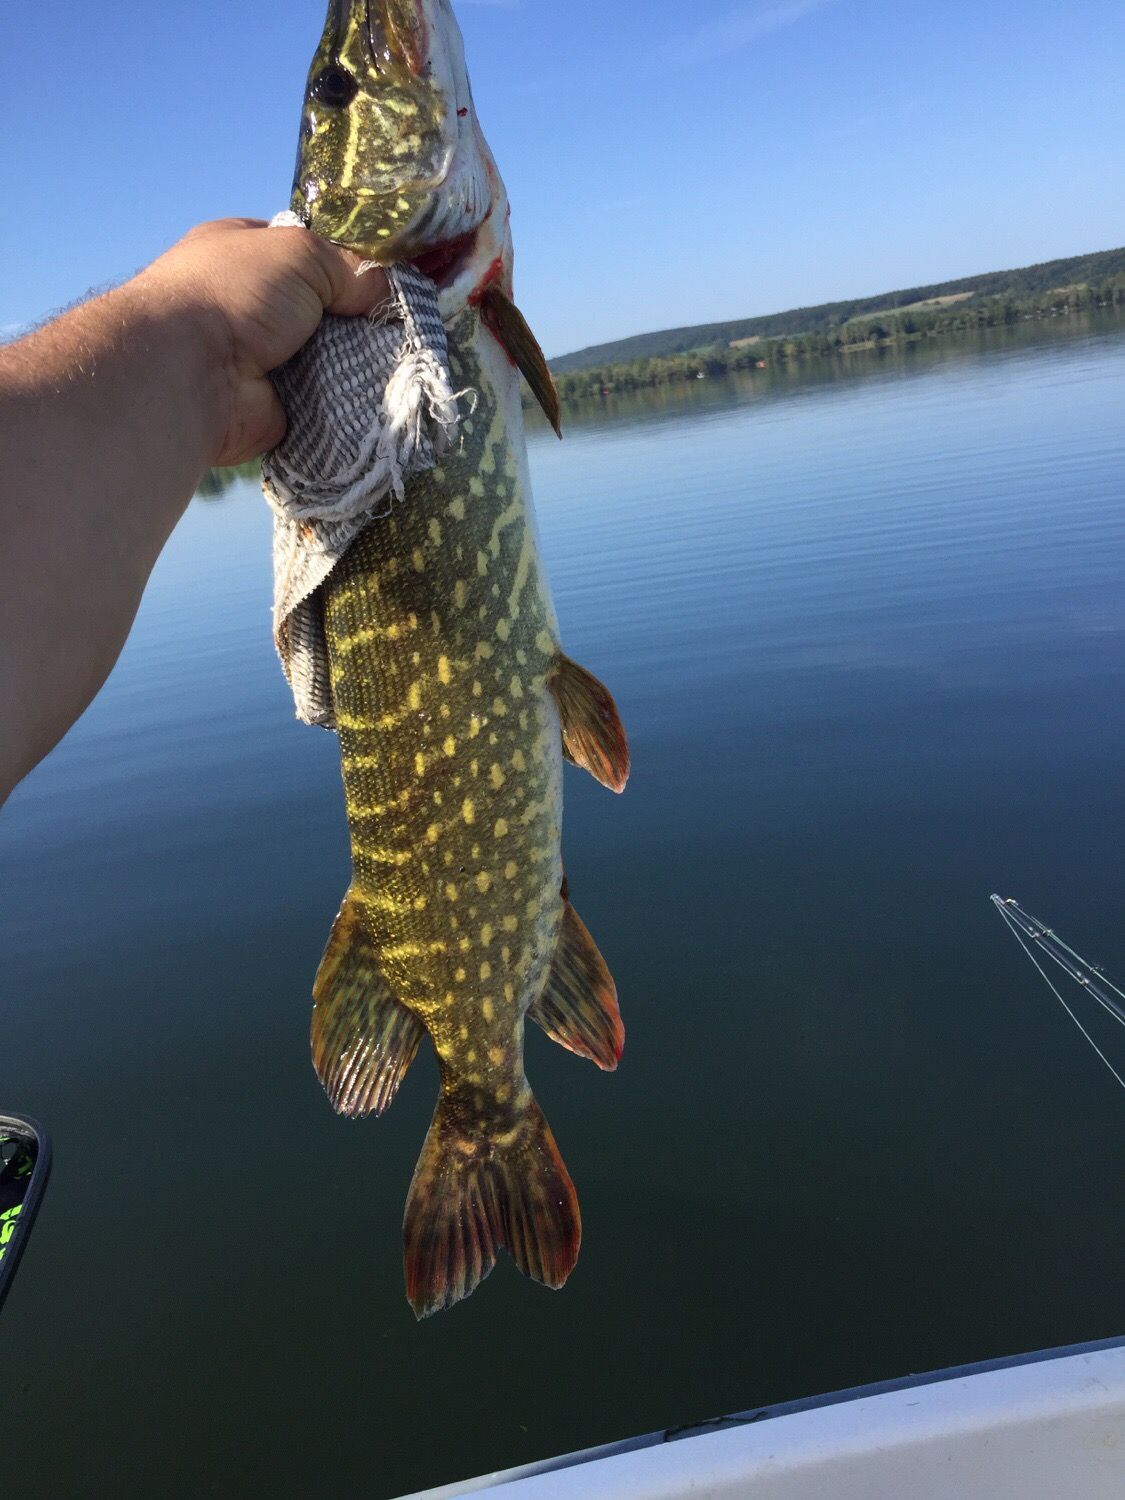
{"points": [[1049, 1427]]}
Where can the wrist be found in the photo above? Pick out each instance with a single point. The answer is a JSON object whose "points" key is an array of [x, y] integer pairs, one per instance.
{"points": [[198, 349]]}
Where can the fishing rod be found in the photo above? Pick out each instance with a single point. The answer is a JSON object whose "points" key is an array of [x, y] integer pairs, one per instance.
{"points": [[25, 1165], [1035, 936]]}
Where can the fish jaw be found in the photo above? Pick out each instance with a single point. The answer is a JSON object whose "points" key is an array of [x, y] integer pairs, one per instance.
{"points": [[392, 160]]}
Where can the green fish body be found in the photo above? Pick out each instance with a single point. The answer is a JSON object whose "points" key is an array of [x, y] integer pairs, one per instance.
{"points": [[455, 706]]}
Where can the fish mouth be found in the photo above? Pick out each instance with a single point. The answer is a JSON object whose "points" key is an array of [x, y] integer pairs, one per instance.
{"points": [[444, 263]]}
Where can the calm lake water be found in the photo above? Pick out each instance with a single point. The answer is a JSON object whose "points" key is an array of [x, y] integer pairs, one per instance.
{"points": [[868, 633]]}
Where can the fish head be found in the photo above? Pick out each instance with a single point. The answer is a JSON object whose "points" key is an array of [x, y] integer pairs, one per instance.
{"points": [[392, 160]]}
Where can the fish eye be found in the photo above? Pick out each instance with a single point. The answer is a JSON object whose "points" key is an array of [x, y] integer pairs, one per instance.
{"points": [[334, 87]]}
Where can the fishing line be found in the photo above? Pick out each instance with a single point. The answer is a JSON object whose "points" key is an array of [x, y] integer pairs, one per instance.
{"points": [[1102, 978], [1019, 936], [1048, 941]]}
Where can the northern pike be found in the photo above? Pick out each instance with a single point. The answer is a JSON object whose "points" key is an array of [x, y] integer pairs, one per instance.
{"points": [[454, 701]]}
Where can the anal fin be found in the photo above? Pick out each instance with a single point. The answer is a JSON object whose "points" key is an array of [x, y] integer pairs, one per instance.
{"points": [[593, 735], [363, 1039], [578, 1009]]}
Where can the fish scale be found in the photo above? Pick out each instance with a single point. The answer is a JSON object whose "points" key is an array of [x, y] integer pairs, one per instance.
{"points": [[453, 776], [454, 702]]}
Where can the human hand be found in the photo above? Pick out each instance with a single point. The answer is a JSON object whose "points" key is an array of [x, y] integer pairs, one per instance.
{"points": [[258, 295]]}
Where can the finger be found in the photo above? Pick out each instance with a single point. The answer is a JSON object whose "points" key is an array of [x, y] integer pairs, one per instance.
{"points": [[259, 423], [348, 293], [358, 293]]}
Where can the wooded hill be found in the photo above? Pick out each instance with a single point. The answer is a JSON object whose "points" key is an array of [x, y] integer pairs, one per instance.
{"points": [[1030, 281]]}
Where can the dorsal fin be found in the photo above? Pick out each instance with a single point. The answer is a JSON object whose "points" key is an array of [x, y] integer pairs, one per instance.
{"points": [[363, 1039]]}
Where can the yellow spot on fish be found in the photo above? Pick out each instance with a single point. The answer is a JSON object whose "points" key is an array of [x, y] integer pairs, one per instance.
{"points": [[545, 644], [519, 760], [444, 671], [419, 764], [486, 971], [433, 833], [482, 565], [503, 1090], [486, 934], [414, 700], [476, 487], [468, 810], [464, 944], [487, 1009], [509, 993], [484, 882], [451, 892], [434, 529], [503, 630], [420, 903], [501, 828], [510, 924], [499, 707], [460, 976], [474, 727], [418, 558], [496, 776], [457, 509], [478, 689], [511, 870], [460, 593], [515, 687], [483, 651], [450, 746]]}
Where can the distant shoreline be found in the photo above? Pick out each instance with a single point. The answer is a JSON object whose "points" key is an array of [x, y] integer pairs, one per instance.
{"points": [[938, 318]]}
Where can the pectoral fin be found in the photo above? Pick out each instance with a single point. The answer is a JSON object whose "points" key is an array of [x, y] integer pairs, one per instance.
{"points": [[363, 1039], [593, 735], [504, 319], [578, 1009]]}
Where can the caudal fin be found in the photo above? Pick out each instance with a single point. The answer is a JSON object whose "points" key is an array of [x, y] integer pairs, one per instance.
{"points": [[474, 1195]]}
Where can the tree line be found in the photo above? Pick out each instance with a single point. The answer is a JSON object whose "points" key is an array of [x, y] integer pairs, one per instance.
{"points": [[1084, 270], [871, 331]]}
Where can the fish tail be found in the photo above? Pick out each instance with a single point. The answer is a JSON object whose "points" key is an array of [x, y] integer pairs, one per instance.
{"points": [[482, 1186]]}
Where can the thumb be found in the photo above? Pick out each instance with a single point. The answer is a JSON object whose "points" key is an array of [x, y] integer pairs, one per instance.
{"points": [[353, 292]]}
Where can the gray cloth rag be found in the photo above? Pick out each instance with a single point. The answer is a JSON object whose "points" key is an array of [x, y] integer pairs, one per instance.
{"points": [[370, 403]]}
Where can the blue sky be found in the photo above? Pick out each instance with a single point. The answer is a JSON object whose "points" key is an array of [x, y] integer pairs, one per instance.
{"points": [[668, 163]]}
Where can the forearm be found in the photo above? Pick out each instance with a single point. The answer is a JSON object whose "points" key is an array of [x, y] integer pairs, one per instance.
{"points": [[108, 418]]}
